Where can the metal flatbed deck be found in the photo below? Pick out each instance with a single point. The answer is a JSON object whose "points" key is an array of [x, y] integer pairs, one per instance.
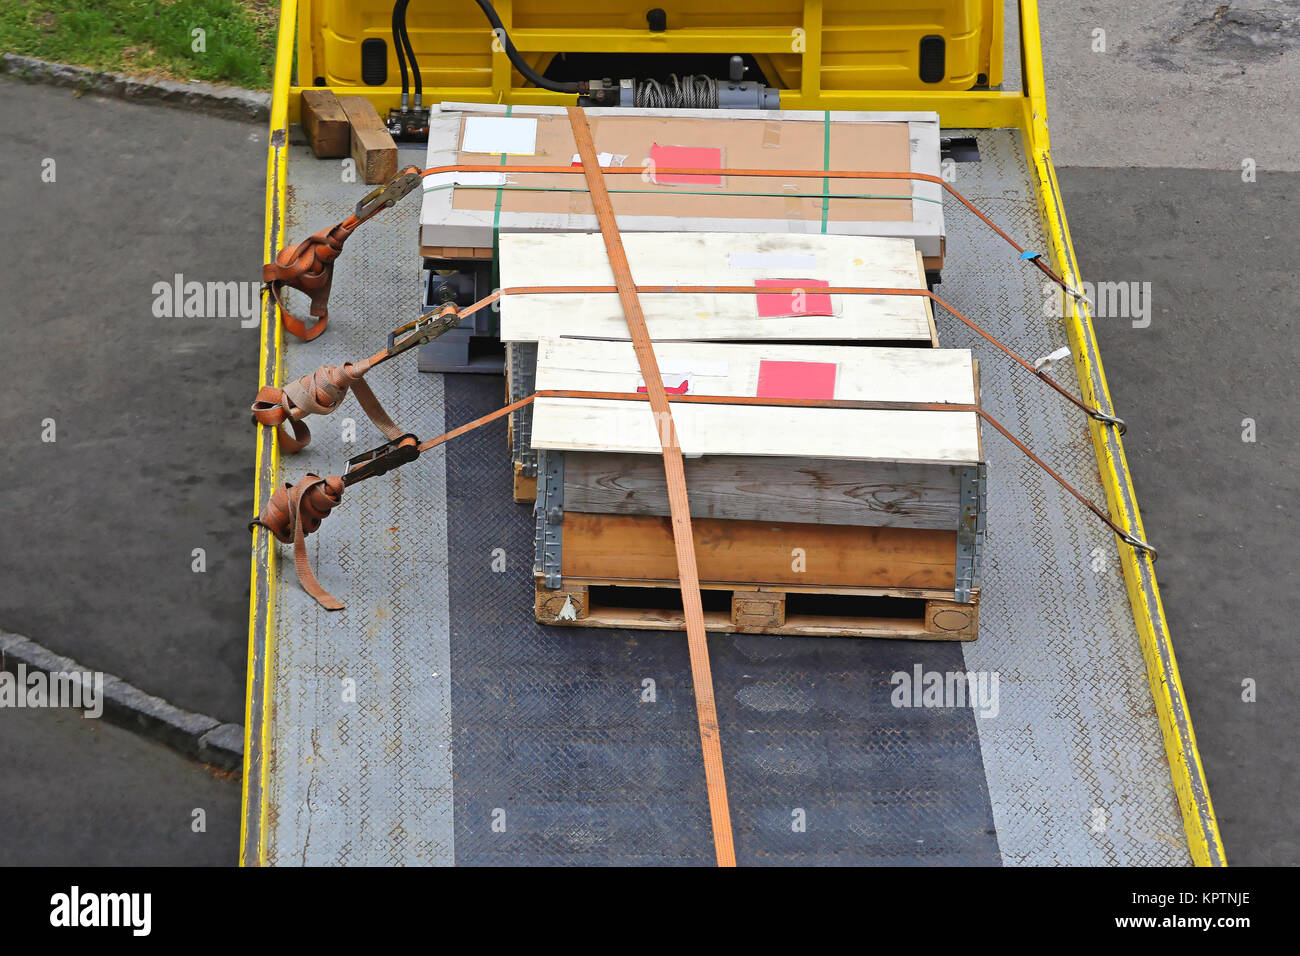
{"points": [[432, 722], [467, 713]]}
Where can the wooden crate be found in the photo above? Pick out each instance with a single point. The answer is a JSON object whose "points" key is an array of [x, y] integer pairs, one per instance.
{"points": [[465, 210], [698, 259], [784, 499], [827, 466]]}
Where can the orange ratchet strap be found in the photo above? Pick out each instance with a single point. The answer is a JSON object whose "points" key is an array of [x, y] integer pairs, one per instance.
{"points": [[322, 391], [280, 516], [295, 511], [309, 266], [696, 637]]}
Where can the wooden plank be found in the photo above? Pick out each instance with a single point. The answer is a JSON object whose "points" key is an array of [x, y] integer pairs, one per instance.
{"points": [[712, 259], [373, 149], [559, 605], [813, 491], [920, 594], [943, 438], [796, 625], [326, 125], [877, 374], [454, 252], [748, 552], [929, 306]]}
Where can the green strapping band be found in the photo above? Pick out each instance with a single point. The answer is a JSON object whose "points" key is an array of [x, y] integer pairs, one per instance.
{"points": [[682, 192], [496, 235], [496, 213], [826, 183]]}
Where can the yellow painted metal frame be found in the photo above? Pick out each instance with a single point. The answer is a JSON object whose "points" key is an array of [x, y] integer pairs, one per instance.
{"points": [[1025, 111], [258, 706], [803, 46]]}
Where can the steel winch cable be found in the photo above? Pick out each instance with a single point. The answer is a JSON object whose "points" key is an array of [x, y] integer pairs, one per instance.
{"points": [[691, 92]]}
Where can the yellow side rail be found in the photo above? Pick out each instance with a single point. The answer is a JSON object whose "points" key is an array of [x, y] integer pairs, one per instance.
{"points": [[1026, 111], [258, 705], [1203, 838]]}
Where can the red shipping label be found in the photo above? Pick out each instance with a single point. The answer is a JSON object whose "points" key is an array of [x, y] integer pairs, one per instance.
{"points": [[796, 379], [681, 389], [773, 305], [685, 157]]}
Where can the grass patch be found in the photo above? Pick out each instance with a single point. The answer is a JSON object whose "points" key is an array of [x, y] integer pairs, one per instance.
{"points": [[152, 38]]}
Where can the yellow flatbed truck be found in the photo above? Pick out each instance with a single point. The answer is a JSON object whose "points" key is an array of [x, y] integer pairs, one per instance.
{"points": [[433, 722]]}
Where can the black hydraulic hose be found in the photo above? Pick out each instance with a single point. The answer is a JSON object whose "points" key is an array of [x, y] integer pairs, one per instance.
{"points": [[397, 48], [410, 55], [521, 65]]}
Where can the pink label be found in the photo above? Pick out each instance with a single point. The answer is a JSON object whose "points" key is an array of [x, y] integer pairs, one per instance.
{"points": [[773, 305], [686, 157], [796, 379]]}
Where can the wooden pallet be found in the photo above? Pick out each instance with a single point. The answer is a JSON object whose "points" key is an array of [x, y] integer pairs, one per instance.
{"points": [[759, 609]]}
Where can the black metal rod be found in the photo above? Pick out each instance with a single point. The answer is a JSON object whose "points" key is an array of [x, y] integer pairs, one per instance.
{"points": [[398, 6], [410, 55], [520, 63]]}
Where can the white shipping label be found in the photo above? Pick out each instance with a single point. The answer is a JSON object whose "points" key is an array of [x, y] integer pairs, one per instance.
{"points": [[500, 134], [438, 180], [604, 159], [676, 374]]}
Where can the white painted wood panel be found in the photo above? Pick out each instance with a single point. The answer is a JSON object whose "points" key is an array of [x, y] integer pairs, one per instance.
{"points": [[947, 438], [699, 258], [713, 368]]}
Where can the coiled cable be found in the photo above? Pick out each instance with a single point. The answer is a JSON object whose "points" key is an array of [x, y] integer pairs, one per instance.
{"points": [[689, 92]]}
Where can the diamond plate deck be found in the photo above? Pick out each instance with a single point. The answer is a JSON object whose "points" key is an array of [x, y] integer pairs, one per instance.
{"points": [[1074, 759], [559, 754], [368, 781], [552, 733]]}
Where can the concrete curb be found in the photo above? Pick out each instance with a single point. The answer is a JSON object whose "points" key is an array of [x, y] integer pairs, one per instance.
{"points": [[231, 102], [195, 735]]}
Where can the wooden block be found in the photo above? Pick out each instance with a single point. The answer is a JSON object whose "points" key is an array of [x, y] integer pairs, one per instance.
{"points": [[558, 605], [525, 488], [956, 621], [373, 149], [757, 609], [326, 125]]}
